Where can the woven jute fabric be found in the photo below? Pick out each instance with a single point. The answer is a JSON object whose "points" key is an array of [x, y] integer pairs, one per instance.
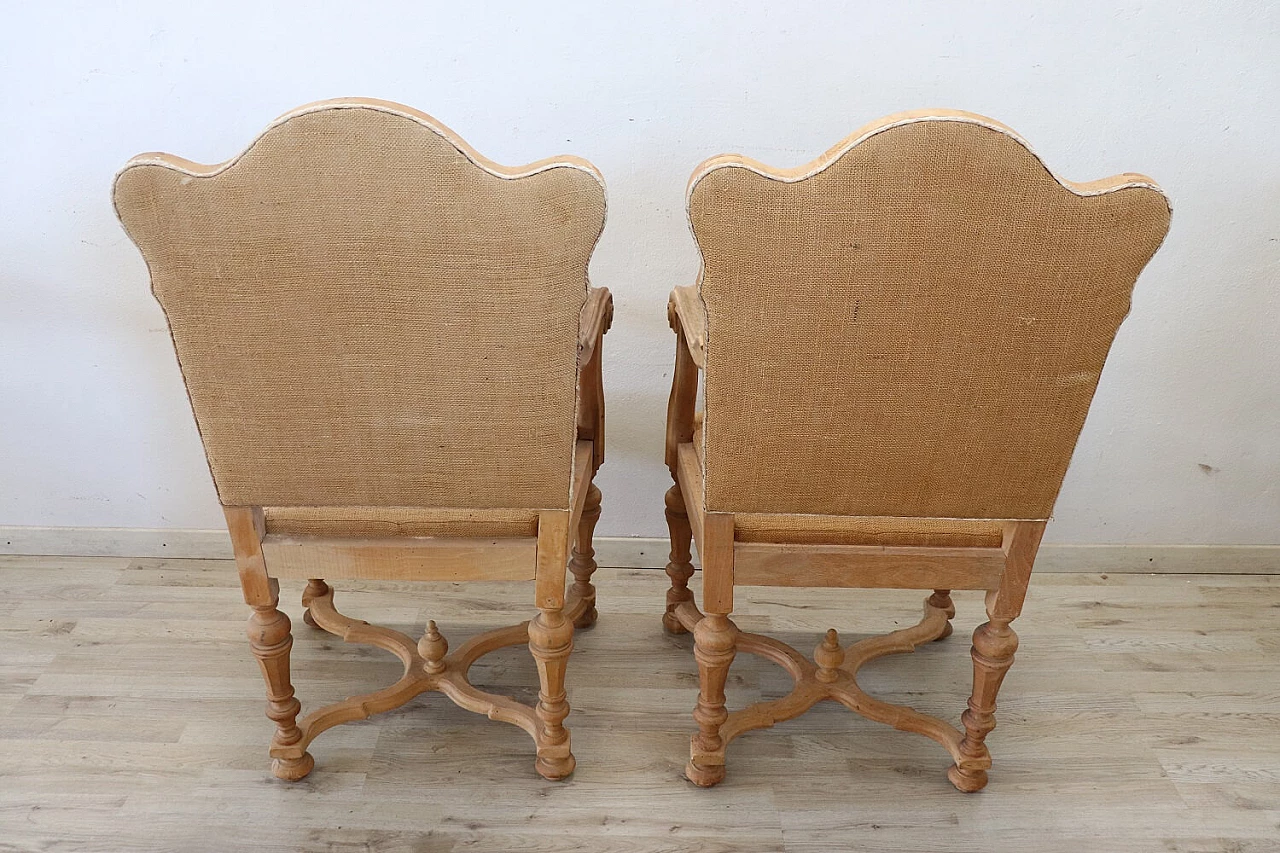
{"points": [[852, 530], [365, 315], [400, 521], [915, 330]]}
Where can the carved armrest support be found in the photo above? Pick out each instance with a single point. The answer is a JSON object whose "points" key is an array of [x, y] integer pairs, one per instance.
{"points": [[595, 320], [688, 318], [686, 306], [596, 317]]}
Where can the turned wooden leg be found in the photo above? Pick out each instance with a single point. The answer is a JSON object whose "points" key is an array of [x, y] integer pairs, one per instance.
{"points": [[994, 644], [550, 641], [714, 643], [271, 641], [315, 589], [941, 600], [680, 568], [583, 562]]}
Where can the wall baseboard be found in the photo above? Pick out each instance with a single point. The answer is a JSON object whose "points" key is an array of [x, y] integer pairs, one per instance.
{"points": [[637, 552]]}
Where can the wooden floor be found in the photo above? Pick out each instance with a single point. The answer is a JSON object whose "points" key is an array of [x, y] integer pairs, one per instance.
{"points": [[1143, 714]]}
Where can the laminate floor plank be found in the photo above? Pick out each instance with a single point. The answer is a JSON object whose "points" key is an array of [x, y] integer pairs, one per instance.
{"points": [[1142, 715]]}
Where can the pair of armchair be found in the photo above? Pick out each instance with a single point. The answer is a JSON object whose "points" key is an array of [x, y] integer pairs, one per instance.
{"points": [[394, 360]]}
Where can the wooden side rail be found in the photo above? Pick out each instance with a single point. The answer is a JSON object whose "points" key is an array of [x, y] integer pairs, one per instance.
{"points": [[419, 558]]}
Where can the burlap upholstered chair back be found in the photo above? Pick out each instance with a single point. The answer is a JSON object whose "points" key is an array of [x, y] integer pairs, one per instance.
{"points": [[369, 313], [914, 326]]}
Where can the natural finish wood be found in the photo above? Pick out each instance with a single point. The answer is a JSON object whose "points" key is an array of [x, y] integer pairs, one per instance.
{"points": [[684, 395], [772, 564], [686, 305], [867, 426], [582, 562], [597, 317], [1004, 572], [719, 559], [1142, 717], [370, 466], [680, 565], [688, 474], [247, 528], [833, 677], [270, 641], [642, 552], [427, 666], [554, 528], [409, 558]]}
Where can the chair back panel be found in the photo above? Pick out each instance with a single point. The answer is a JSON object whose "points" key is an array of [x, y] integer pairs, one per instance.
{"points": [[913, 325], [369, 313]]}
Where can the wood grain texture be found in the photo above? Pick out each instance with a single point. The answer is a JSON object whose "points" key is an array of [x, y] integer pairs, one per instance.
{"points": [[1143, 717], [719, 558], [686, 305], [688, 475], [771, 564], [422, 558]]}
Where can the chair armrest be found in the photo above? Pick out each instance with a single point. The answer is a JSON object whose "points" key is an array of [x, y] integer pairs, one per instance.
{"points": [[686, 306], [596, 317], [595, 320], [688, 317]]}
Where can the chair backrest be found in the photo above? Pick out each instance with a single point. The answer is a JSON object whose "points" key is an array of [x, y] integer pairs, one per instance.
{"points": [[369, 313], [912, 325]]}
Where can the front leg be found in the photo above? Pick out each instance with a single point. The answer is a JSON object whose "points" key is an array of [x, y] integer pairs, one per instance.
{"points": [[583, 562], [680, 567]]}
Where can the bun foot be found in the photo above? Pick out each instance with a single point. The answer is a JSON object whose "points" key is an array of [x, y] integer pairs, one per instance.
{"points": [[967, 781], [293, 769], [587, 618], [555, 769], [704, 777]]}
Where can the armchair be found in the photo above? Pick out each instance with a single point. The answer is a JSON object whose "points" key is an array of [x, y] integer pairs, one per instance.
{"points": [[897, 345], [393, 357]]}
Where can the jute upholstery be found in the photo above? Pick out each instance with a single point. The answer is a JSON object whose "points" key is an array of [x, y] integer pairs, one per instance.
{"points": [[398, 521], [368, 313], [914, 328], [854, 530]]}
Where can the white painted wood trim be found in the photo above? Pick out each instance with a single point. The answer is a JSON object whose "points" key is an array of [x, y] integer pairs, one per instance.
{"points": [[639, 552], [115, 542]]}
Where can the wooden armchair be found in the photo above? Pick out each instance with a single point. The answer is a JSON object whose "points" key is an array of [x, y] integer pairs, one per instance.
{"points": [[393, 357], [898, 345]]}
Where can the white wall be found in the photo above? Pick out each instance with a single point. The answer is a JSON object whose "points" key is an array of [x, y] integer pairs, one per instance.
{"points": [[1183, 443]]}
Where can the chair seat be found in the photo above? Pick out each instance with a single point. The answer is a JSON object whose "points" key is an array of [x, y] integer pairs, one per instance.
{"points": [[868, 530], [400, 521]]}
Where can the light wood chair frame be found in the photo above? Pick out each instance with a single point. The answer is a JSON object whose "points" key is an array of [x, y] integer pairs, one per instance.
{"points": [[564, 538], [1003, 572]]}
